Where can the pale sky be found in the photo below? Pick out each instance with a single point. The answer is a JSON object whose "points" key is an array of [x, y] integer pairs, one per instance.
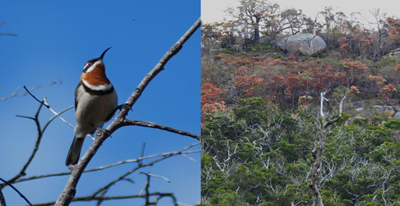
{"points": [[213, 10]]}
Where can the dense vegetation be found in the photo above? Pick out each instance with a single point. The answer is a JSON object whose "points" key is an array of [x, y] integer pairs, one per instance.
{"points": [[261, 117]]}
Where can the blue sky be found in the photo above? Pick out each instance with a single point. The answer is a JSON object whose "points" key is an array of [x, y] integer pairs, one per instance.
{"points": [[55, 39]]}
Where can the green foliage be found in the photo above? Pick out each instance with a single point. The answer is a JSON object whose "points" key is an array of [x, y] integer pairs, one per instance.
{"points": [[392, 124], [252, 110], [257, 157], [385, 61], [277, 56], [257, 150], [360, 121], [226, 51]]}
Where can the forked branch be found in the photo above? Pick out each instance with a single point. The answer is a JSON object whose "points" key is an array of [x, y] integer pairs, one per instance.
{"points": [[69, 191]]}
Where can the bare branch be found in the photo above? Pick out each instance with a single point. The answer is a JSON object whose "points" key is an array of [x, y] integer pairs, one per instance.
{"points": [[69, 191], [157, 126], [16, 190], [40, 131], [15, 94], [90, 198], [2, 200], [165, 156], [147, 189], [158, 68], [46, 104], [8, 34], [318, 151], [138, 160], [153, 175]]}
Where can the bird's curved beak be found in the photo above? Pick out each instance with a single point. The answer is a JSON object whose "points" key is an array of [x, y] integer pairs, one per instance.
{"points": [[102, 55]]}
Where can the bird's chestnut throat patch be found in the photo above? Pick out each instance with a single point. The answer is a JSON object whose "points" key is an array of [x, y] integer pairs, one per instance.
{"points": [[96, 77]]}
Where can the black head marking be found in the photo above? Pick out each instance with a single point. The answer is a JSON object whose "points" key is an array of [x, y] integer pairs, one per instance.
{"points": [[89, 64], [92, 61]]}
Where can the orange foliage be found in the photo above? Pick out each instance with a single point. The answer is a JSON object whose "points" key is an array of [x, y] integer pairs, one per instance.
{"points": [[367, 40], [343, 42], [354, 90], [211, 100], [240, 61], [278, 78], [330, 76], [394, 28], [387, 90], [393, 34], [348, 65], [378, 79], [398, 67], [304, 101], [210, 94], [353, 70], [212, 107], [245, 81], [269, 62]]}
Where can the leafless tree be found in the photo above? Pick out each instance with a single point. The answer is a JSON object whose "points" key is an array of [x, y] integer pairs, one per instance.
{"points": [[68, 195], [318, 151], [251, 12]]}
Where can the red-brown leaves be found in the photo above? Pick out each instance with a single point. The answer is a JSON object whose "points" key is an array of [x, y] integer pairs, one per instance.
{"points": [[246, 82]]}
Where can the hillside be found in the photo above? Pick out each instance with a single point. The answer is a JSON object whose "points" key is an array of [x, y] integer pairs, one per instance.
{"points": [[268, 140]]}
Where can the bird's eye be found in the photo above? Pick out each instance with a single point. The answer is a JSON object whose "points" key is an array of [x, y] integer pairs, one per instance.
{"points": [[88, 64]]}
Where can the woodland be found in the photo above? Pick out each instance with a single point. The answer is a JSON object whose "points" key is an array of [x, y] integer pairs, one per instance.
{"points": [[286, 128]]}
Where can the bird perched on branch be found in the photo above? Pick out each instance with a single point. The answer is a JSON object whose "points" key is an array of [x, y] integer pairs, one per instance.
{"points": [[95, 103]]}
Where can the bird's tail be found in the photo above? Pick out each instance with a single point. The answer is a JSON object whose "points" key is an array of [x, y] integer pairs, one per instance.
{"points": [[74, 151]]}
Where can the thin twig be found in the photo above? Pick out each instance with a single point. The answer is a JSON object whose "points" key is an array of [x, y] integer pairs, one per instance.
{"points": [[8, 34], [158, 176], [57, 114], [70, 189], [14, 94], [165, 156], [90, 198], [38, 140], [157, 126], [138, 160], [47, 105], [16, 190], [147, 189], [142, 154], [158, 68]]}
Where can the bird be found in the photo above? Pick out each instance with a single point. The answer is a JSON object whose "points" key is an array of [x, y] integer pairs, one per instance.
{"points": [[95, 103]]}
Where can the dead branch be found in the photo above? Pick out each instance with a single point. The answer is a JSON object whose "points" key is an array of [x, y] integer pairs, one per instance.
{"points": [[96, 196], [318, 151], [90, 198], [3, 202], [46, 104], [157, 126], [69, 191], [147, 189], [138, 160], [15, 94], [40, 131], [141, 165]]}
